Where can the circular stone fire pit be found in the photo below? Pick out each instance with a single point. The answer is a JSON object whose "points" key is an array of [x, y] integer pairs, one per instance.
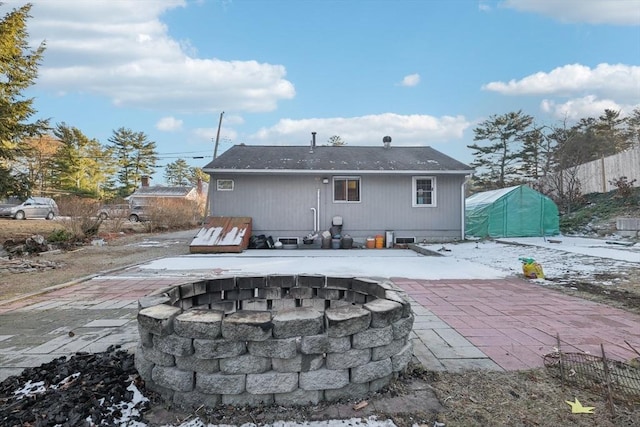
{"points": [[288, 340]]}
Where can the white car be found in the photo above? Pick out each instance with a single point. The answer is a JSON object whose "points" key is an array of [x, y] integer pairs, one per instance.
{"points": [[33, 207]]}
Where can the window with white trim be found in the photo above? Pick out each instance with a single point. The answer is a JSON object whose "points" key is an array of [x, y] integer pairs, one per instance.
{"points": [[346, 189], [424, 191], [224, 184]]}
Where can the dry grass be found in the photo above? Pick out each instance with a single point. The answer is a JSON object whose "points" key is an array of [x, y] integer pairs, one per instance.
{"points": [[524, 398]]}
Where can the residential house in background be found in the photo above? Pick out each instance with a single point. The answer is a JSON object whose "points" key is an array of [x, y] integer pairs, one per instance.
{"points": [[147, 194], [414, 193]]}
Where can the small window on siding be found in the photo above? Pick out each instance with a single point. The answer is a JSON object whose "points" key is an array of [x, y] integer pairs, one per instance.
{"points": [[424, 191], [346, 189], [224, 184]]}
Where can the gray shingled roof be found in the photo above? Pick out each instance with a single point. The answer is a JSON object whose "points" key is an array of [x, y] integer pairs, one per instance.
{"points": [[160, 191], [345, 158]]}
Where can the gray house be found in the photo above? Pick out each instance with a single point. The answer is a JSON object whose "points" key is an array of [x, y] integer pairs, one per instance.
{"points": [[410, 193]]}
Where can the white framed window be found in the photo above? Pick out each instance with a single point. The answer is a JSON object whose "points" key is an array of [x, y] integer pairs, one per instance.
{"points": [[424, 191], [224, 184], [346, 189]]}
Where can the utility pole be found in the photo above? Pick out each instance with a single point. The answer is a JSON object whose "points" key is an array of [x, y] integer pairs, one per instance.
{"points": [[215, 155], [215, 149]]}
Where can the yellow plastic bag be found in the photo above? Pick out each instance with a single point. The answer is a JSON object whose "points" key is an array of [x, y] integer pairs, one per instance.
{"points": [[532, 270]]}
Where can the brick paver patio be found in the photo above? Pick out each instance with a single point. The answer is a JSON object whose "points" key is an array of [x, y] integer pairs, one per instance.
{"points": [[505, 324], [515, 322]]}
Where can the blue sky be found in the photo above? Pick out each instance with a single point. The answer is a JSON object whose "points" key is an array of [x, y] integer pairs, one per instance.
{"points": [[425, 72]]}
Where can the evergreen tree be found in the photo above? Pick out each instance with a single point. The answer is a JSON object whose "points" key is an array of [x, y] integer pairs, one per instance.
{"points": [[178, 173], [632, 129], [82, 165], [610, 131], [498, 162], [537, 153], [135, 156], [198, 174], [18, 71]]}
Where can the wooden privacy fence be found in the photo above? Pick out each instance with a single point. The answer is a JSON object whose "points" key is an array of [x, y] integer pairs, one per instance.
{"points": [[595, 176]]}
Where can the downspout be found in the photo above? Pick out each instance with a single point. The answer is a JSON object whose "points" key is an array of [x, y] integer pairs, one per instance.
{"points": [[318, 210], [463, 203], [315, 219]]}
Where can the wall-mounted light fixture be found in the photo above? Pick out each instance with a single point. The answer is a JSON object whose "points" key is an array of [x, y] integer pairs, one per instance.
{"points": [[325, 180]]}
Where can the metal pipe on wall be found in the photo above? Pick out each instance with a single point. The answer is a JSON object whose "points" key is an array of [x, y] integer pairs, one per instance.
{"points": [[318, 216], [315, 219]]}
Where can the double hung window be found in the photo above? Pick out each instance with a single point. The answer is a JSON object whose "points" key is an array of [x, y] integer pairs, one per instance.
{"points": [[346, 189], [424, 191]]}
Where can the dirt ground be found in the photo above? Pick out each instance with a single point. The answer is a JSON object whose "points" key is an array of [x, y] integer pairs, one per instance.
{"points": [[478, 398], [24, 275]]}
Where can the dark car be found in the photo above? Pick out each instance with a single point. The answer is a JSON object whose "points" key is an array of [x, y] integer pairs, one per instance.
{"points": [[114, 211], [139, 213]]}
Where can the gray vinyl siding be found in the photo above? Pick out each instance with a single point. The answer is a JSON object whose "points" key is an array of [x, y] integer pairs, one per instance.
{"points": [[280, 205]]}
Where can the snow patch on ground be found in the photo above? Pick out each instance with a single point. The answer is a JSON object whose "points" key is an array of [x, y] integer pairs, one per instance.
{"points": [[572, 258]]}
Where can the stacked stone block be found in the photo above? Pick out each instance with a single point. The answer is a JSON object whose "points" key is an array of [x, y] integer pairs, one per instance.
{"points": [[288, 340]]}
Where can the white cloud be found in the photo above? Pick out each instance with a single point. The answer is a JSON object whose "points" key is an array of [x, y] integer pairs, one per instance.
{"points": [[411, 80], [617, 12], [483, 7], [169, 124], [587, 106], [616, 81], [122, 51], [405, 130]]}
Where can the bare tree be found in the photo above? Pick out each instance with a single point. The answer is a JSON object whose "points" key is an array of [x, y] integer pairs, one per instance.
{"points": [[336, 141]]}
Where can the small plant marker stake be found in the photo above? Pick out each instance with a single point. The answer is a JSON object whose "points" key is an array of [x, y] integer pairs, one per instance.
{"points": [[608, 378], [632, 347], [561, 361]]}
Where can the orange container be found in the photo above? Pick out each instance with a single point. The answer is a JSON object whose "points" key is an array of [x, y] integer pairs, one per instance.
{"points": [[371, 243], [379, 241]]}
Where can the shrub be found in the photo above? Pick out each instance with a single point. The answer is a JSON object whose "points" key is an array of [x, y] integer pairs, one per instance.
{"points": [[60, 235], [168, 214], [79, 216], [624, 188]]}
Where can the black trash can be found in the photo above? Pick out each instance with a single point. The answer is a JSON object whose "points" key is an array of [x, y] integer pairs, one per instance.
{"points": [[347, 242]]}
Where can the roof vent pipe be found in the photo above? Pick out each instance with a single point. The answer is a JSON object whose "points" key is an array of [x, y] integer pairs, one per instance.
{"points": [[313, 139], [386, 141]]}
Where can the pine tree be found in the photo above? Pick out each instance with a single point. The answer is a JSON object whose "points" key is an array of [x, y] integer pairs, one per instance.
{"points": [[177, 173], [82, 165], [610, 130], [632, 128], [498, 162], [135, 155], [18, 71], [537, 152]]}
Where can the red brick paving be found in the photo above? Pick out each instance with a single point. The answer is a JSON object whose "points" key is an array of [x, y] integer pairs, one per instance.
{"points": [[515, 322]]}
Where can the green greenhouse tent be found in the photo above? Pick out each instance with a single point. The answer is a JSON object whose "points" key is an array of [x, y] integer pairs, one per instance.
{"points": [[511, 212]]}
